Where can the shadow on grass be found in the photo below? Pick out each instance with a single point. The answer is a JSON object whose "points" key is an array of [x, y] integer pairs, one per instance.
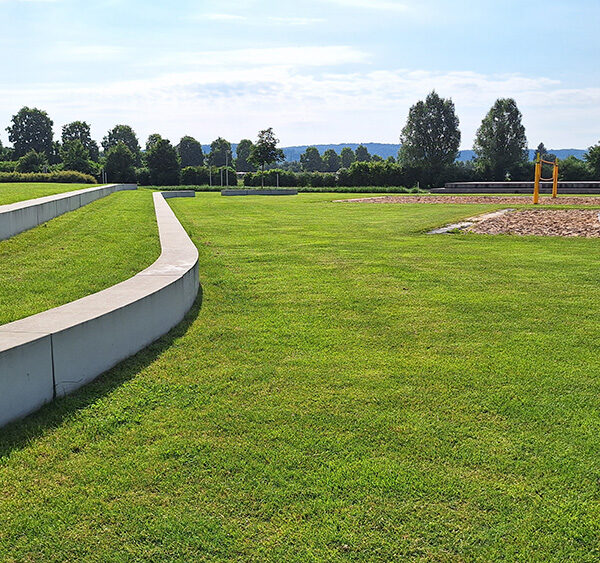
{"points": [[18, 434]]}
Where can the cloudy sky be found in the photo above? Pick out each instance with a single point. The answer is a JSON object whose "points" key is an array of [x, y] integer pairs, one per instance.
{"points": [[318, 71]]}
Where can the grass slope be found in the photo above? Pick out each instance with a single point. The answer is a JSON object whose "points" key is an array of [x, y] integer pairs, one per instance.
{"points": [[11, 193], [77, 254], [351, 390]]}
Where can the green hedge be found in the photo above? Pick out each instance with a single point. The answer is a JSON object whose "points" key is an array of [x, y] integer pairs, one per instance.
{"points": [[381, 174], [60, 177], [201, 175]]}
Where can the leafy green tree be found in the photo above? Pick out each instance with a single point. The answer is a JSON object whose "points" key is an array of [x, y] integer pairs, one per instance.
{"points": [[362, 154], [6, 153], [242, 160], [153, 139], [220, 153], [120, 163], [347, 157], [54, 156], [331, 161], [573, 169], [500, 144], [190, 152], [163, 163], [31, 129], [592, 157], [311, 160], [430, 138], [543, 153], [75, 156], [126, 135], [540, 151], [33, 161], [80, 131], [291, 166], [265, 150]]}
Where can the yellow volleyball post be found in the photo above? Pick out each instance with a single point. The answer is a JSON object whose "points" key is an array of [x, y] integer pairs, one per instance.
{"points": [[555, 179], [538, 175]]}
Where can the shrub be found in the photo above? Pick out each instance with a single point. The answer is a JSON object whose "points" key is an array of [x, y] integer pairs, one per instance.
{"points": [[76, 157], [142, 176], [379, 174], [574, 169], [287, 179], [190, 176], [327, 179], [33, 161], [8, 165], [60, 177]]}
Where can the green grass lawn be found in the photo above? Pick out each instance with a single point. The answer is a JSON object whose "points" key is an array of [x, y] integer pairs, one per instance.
{"points": [[11, 193], [77, 254], [351, 389]]}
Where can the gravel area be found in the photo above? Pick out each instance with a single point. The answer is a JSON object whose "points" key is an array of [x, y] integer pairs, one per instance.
{"points": [[489, 199], [542, 222]]}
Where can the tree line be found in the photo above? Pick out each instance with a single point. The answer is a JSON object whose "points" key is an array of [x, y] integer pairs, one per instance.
{"points": [[120, 156], [430, 143]]}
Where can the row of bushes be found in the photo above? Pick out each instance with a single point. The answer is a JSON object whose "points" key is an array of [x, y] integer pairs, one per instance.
{"points": [[191, 176], [60, 177], [389, 174], [383, 174]]}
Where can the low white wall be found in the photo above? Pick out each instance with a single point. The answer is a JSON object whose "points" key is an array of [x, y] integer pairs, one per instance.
{"points": [[55, 352], [24, 215]]}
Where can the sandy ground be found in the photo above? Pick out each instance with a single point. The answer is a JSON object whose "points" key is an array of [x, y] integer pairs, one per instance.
{"points": [[489, 199], [542, 222]]}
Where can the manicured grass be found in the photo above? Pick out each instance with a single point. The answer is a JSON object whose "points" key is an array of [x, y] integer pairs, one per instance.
{"points": [[10, 193], [350, 390], [77, 254]]}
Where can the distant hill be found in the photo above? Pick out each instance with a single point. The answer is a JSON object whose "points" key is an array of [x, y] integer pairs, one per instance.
{"points": [[560, 153], [384, 150]]}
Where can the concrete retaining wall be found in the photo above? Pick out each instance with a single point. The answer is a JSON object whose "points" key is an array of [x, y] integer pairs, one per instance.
{"points": [[24, 215], [517, 188], [55, 352]]}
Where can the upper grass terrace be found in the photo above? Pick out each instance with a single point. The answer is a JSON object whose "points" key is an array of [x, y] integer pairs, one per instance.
{"points": [[11, 193], [351, 389], [77, 254]]}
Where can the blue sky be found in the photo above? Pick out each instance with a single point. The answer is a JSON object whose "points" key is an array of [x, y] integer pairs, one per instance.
{"points": [[318, 71]]}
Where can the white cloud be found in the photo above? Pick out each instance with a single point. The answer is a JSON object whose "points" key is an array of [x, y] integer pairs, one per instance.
{"points": [[382, 5], [279, 56], [77, 52], [222, 17], [295, 21], [261, 21], [311, 107]]}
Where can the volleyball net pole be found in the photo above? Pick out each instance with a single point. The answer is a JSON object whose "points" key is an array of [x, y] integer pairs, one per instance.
{"points": [[539, 162]]}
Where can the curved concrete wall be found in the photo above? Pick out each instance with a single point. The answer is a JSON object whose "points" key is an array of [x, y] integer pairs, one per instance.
{"points": [[24, 215], [55, 352]]}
